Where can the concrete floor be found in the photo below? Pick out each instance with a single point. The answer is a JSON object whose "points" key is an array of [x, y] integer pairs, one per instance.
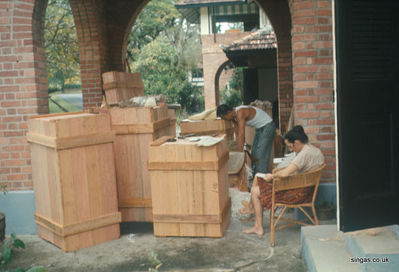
{"points": [[138, 250]]}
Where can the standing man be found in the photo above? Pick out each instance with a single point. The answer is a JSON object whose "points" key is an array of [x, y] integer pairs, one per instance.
{"points": [[264, 133]]}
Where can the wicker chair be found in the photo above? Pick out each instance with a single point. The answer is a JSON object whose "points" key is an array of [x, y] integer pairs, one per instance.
{"points": [[302, 180]]}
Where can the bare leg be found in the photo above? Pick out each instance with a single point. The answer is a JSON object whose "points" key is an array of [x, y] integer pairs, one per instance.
{"points": [[258, 227], [249, 208]]}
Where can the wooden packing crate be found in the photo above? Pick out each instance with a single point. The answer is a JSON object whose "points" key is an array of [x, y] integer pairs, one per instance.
{"points": [[119, 86], [135, 129], [73, 175], [208, 127], [190, 188]]}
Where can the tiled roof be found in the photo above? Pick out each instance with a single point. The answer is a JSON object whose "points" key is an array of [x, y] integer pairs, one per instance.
{"points": [[206, 2], [261, 39]]}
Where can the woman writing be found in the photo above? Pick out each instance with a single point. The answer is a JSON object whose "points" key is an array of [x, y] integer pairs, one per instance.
{"points": [[308, 158]]}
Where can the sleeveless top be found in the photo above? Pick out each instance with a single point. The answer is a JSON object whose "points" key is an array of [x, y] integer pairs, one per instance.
{"points": [[260, 119]]}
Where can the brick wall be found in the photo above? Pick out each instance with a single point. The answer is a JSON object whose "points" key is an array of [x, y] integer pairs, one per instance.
{"points": [[213, 59], [312, 50], [23, 87]]}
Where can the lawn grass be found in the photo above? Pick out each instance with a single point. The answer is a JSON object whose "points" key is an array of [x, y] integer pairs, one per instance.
{"points": [[53, 108], [67, 91]]}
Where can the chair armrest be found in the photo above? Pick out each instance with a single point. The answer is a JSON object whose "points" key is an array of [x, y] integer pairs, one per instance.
{"points": [[300, 180], [275, 170]]}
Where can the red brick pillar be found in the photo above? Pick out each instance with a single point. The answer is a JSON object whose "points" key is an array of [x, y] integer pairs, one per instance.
{"points": [[312, 47], [285, 95], [23, 86], [90, 28]]}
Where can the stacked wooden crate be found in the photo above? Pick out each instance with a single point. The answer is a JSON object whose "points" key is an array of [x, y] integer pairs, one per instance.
{"points": [[136, 128], [120, 86], [73, 174], [189, 185], [208, 127]]}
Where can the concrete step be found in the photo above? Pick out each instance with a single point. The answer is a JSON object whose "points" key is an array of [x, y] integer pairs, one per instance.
{"points": [[324, 250], [395, 230], [376, 249]]}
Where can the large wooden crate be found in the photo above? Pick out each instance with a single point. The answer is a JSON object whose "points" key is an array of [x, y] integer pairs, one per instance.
{"points": [[190, 195], [119, 86], [73, 175], [208, 127], [135, 129]]}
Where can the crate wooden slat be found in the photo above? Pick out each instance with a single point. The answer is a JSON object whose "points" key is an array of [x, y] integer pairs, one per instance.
{"points": [[135, 129], [73, 176], [119, 86], [172, 116], [189, 184], [207, 127]]}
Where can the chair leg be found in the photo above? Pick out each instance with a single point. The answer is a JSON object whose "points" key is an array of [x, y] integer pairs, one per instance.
{"points": [[272, 226], [315, 215]]}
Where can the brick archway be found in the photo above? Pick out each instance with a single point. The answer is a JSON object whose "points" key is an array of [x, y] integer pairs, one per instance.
{"points": [[279, 15], [218, 72]]}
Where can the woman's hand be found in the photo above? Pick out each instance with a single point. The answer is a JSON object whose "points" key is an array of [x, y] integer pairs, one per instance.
{"points": [[269, 177]]}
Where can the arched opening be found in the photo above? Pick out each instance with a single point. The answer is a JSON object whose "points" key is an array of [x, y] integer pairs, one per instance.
{"points": [[62, 58], [228, 85]]}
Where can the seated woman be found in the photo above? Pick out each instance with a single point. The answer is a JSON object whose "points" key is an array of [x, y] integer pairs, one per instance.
{"points": [[308, 158]]}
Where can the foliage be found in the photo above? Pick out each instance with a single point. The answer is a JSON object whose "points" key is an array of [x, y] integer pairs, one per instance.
{"points": [[155, 18], [231, 97], [3, 188], [61, 44], [54, 108], [162, 74], [163, 47], [232, 94], [8, 247], [237, 80]]}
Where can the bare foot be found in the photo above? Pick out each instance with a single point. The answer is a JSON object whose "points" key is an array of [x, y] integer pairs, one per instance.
{"points": [[256, 230], [246, 210]]}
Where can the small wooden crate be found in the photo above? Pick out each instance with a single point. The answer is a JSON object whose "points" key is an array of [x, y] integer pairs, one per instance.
{"points": [[73, 175], [208, 127], [135, 129], [119, 86], [190, 189]]}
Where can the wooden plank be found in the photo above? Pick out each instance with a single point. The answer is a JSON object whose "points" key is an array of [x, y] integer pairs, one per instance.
{"points": [[71, 142], [141, 128], [188, 165], [161, 140], [189, 218], [135, 203], [80, 227]]}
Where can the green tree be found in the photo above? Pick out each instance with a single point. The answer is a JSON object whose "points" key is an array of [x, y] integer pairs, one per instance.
{"points": [[155, 18], [231, 95], [61, 44], [164, 47], [158, 62]]}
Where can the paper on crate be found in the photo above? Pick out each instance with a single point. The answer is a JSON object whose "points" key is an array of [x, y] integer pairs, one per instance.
{"points": [[208, 140]]}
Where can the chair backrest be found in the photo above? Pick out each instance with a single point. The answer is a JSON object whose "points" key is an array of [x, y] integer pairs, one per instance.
{"points": [[301, 180]]}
